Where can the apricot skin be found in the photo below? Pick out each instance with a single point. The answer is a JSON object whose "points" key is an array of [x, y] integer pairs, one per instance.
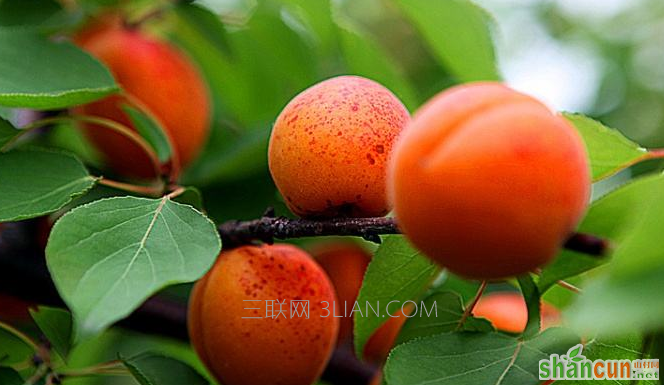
{"points": [[488, 182], [162, 79], [329, 148], [289, 350], [508, 312], [345, 264]]}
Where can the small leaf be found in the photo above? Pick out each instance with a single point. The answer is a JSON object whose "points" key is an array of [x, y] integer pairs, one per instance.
{"points": [[609, 151], [575, 351], [532, 298], [56, 324], [151, 131], [13, 349], [38, 73], [157, 369], [448, 312], [474, 358], [9, 376], [38, 182], [398, 273], [108, 256], [458, 32], [7, 132]]}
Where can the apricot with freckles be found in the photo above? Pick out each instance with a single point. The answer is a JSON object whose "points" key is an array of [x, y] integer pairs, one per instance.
{"points": [[488, 182], [236, 325], [329, 148]]}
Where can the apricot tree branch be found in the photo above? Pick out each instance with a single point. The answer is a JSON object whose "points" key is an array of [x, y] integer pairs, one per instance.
{"points": [[268, 228]]}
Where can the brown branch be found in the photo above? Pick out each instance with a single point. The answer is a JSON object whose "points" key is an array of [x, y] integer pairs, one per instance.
{"points": [[269, 228]]}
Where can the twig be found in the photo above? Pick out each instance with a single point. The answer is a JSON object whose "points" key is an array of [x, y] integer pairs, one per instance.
{"points": [[269, 228], [469, 310]]}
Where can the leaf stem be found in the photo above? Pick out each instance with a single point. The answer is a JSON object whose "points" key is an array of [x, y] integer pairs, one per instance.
{"points": [[153, 191], [469, 310]]}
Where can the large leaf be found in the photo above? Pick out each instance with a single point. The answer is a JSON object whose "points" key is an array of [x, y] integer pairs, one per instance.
{"points": [[42, 74], [458, 32], [397, 273], [624, 203], [7, 132], [56, 324], [157, 369], [474, 358], [41, 14], [13, 349], [366, 58], [38, 182], [108, 256], [9, 376], [629, 294], [440, 312], [609, 151]]}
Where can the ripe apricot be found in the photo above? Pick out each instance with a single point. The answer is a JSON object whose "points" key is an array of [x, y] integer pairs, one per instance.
{"points": [[380, 343], [162, 79], [488, 182], [329, 148], [273, 347], [507, 311], [345, 264]]}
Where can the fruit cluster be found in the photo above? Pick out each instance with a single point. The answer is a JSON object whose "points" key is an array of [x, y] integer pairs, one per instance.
{"points": [[484, 180]]}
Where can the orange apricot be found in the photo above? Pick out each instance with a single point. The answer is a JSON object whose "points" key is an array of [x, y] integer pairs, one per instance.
{"points": [[507, 311], [488, 182], [345, 264], [238, 328], [329, 148], [380, 343], [155, 75]]}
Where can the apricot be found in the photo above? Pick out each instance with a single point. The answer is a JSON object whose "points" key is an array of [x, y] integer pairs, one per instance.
{"points": [[162, 79], [380, 343], [13, 309], [329, 148], [488, 182], [507, 311], [345, 264], [236, 325]]}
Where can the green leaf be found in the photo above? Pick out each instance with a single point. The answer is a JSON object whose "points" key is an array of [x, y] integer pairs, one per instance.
{"points": [[448, 312], [532, 298], [41, 14], [7, 132], [624, 203], [192, 197], [398, 273], [152, 131], [9, 376], [38, 73], [474, 358], [458, 33], [38, 182], [609, 151], [629, 293], [108, 256], [157, 369], [56, 324], [575, 351], [625, 347], [13, 349], [366, 58]]}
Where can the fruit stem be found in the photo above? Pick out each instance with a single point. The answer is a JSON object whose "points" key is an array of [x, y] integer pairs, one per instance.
{"points": [[469, 310], [153, 191]]}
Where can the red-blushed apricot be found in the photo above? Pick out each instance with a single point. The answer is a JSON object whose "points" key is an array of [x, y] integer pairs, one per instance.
{"points": [[507, 311], [237, 327], [329, 148], [345, 264], [160, 78], [488, 182], [380, 343]]}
